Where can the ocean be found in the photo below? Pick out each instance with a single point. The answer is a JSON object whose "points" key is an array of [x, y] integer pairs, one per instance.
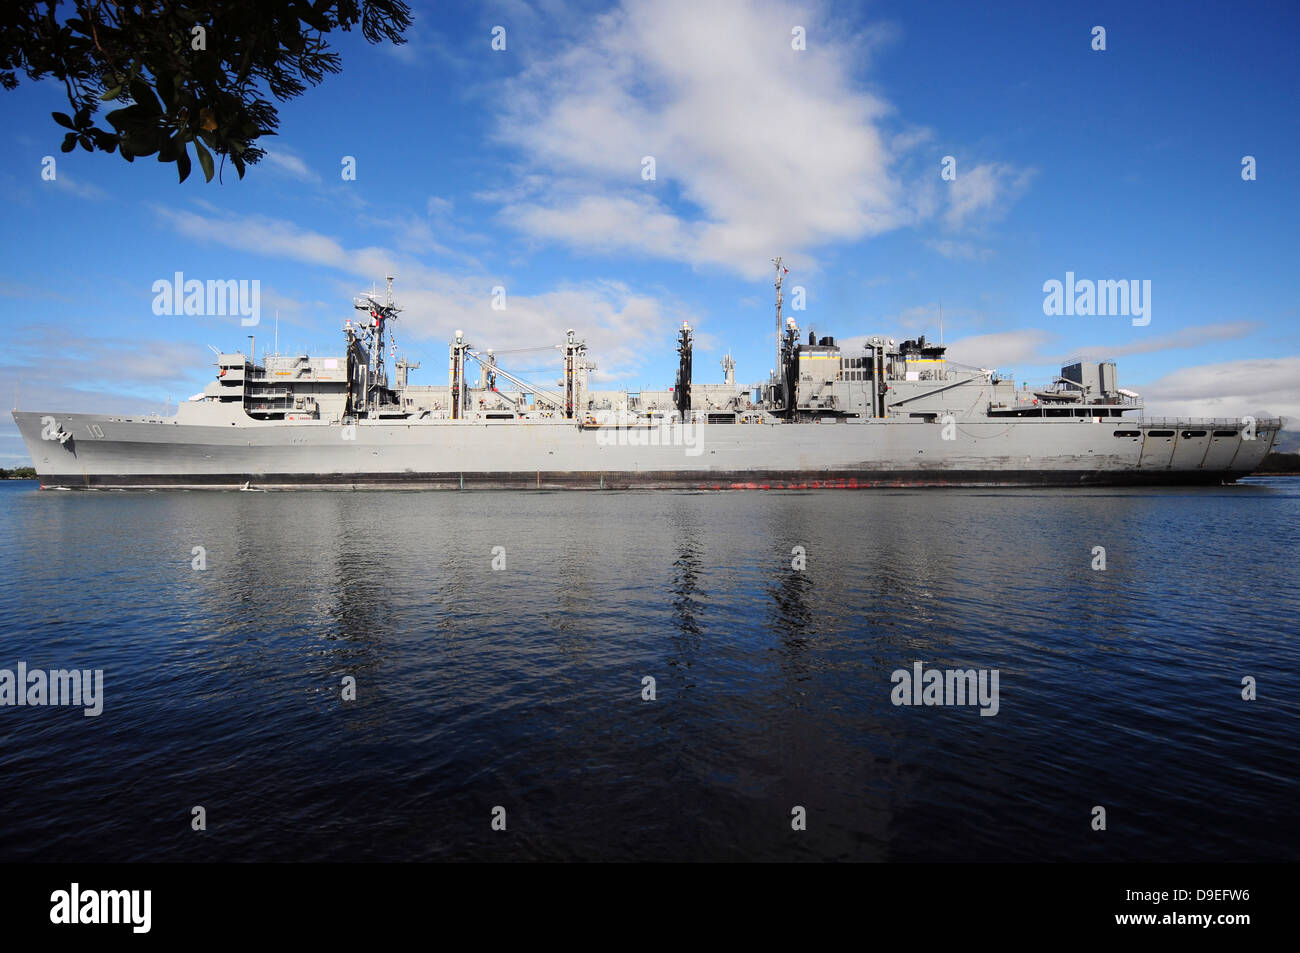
{"points": [[406, 675]]}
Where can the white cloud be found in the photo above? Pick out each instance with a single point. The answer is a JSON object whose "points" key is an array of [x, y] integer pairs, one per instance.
{"points": [[1229, 389], [1002, 349], [287, 310], [759, 149], [986, 191], [79, 376], [103, 363], [82, 190], [1036, 346], [84, 375], [277, 238], [1188, 337], [420, 236], [619, 324], [287, 162], [12, 289]]}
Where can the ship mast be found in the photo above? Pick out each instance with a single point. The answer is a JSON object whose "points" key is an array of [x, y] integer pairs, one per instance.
{"points": [[374, 335], [780, 300], [682, 390]]}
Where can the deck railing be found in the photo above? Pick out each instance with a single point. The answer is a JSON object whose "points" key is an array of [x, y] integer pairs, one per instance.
{"points": [[1261, 423]]}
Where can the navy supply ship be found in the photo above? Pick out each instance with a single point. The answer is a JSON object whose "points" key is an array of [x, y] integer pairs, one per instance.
{"points": [[881, 414]]}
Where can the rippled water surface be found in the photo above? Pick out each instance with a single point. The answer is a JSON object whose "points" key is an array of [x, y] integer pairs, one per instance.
{"points": [[522, 688]]}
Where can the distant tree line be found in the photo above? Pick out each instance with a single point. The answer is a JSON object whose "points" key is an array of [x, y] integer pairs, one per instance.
{"points": [[18, 473], [1280, 463]]}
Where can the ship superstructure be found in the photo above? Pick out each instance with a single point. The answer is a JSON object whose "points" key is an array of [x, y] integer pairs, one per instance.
{"points": [[878, 413]]}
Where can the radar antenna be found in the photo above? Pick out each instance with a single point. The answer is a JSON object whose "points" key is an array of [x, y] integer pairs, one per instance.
{"points": [[371, 336]]}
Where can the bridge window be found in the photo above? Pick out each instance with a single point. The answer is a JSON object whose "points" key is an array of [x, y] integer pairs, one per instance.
{"points": [[1128, 433], [1160, 433], [1193, 433], [1225, 433]]}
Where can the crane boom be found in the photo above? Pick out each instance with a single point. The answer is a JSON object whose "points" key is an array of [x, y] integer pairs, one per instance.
{"points": [[557, 402]]}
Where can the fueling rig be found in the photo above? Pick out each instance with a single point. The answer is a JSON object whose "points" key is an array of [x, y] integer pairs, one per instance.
{"points": [[907, 415]]}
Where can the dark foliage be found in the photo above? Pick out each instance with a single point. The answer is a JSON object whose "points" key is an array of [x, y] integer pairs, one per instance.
{"points": [[191, 71]]}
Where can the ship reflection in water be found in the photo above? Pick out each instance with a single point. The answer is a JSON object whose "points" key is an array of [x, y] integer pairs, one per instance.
{"points": [[502, 646]]}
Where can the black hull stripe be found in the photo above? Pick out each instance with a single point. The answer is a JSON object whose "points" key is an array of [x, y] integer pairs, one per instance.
{"points": [[664, 479]]}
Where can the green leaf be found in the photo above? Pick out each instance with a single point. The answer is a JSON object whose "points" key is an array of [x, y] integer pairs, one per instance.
{"points": [[127, 116], [139, 145], [64, 120], [143, 94], [205, 160], [69, 142], [182, 162], [113, 93]]}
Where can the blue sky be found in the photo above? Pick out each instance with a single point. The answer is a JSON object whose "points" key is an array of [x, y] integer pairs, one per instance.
{"points": [[522, 168]]}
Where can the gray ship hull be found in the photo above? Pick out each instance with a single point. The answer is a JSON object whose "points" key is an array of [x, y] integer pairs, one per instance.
{"points": [[111, 451]]}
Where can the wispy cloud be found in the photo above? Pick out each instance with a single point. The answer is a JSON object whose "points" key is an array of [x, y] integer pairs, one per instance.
{"points": [[78, 188], [1002, 349], [984, 193], [14, 289], [102, 362], [284, 160], [1186, 338], [618, 322], [73, 374], [1037, 347]]}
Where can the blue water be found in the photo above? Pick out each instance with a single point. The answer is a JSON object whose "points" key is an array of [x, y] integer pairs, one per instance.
{"points": [[522, 688]]}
